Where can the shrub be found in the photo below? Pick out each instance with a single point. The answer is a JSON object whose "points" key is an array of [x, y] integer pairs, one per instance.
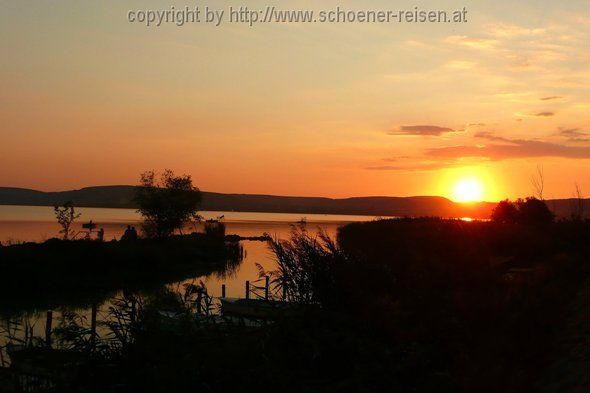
{"points": [[305, 265], [529, 211], [166, 204], [215, 228]]}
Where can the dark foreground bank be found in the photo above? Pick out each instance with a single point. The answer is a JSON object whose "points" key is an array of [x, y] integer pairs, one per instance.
{"points": [[422, 305], [45, 275]]}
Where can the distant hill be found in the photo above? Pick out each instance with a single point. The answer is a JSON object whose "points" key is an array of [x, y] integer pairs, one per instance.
{"points": [[122, 197], [109, 196]]}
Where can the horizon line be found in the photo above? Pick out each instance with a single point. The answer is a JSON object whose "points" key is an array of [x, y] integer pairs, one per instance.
{"points": [[289, 196]]}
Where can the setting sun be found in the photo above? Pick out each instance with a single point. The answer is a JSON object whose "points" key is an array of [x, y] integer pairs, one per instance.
{"points": [[468, 190]]}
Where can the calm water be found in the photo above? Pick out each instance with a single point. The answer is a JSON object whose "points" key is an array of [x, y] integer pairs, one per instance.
{"points": [[36, 223]]}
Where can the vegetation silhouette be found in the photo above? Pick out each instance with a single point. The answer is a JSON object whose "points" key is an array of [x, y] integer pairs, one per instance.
{"points": [[66, 215], [577, 205], [304, 265], [91, 270], [80, 271], [215, 228], [166, 203], [529, 211], [398, 305]]}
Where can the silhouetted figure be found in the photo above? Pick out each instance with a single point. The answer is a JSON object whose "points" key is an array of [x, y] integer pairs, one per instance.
{"points": [[130, 234], [100, 235]]}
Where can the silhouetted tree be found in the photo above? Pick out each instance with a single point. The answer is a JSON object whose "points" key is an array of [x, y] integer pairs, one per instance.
{"points": [[533, 211], [166, 203], [530, 211], [505, 212], [66, 215]]}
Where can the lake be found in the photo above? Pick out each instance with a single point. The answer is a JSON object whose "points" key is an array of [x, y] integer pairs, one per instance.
{"points": [[37, 223]]}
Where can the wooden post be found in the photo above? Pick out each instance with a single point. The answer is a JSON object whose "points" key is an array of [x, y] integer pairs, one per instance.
{"points": [[199, 302], [93, 326], [133, 309], [266, 287], [222, 290], [284, 290], [247, 289], [48, 324]]}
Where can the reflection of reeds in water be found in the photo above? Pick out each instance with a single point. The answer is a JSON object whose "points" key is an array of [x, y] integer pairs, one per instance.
{"points": [[235, 256], [110, 326], [121, 309], [15, 331], [176, 307]]}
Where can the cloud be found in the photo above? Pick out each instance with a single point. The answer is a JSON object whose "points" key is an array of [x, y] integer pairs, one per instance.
{"points": [[507, 30], [475, 43], [424, 130], [544, 114], [574, 134], [461, 64], [418, 167], [412, 164], [551, 98], [536, 114], [490, 136], [397, 159], [509, 149]]}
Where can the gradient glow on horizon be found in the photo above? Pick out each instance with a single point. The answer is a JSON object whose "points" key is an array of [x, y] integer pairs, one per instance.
{"points": [[298, 109]]}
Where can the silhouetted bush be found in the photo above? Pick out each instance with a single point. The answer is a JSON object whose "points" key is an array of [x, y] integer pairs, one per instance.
{"points": [[477, 301], [215, 228], [166, 204], [505, 212], [305, 265], [534, 211], [529, 211]]}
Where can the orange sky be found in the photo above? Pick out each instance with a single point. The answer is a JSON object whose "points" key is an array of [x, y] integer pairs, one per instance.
{"points": [[87, 98]]}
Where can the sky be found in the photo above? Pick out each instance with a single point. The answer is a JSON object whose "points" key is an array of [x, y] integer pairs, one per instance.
{"points": [[337, 110]]}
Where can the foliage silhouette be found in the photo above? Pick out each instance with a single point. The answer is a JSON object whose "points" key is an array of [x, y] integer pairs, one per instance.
{"points": [[66, 215], [529, 211], [83, 271], [167, 203], [421, 305], [215, 228], [305, 264]]}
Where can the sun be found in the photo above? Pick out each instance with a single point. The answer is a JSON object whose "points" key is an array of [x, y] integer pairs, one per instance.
{"points": [[468, 190]]}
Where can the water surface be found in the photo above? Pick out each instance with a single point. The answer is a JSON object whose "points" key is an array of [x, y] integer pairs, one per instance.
{"points": [[37, 223]]}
